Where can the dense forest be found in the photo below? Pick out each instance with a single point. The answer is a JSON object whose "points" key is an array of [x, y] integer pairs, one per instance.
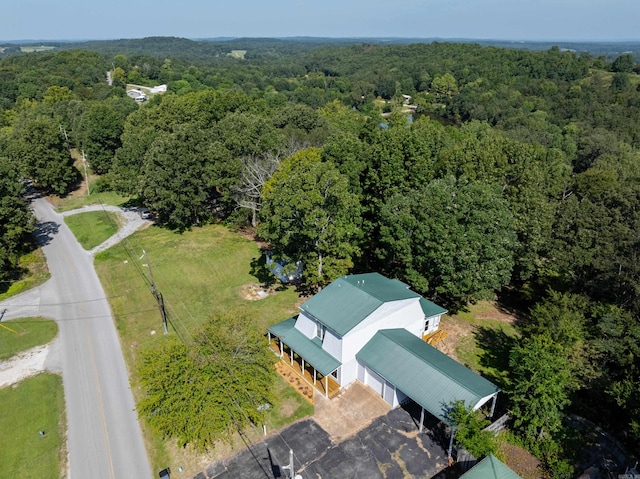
{"points": [[466, 171]]}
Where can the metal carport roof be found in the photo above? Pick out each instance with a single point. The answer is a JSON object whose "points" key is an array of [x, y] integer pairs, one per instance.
{"points": [[429, 377]]}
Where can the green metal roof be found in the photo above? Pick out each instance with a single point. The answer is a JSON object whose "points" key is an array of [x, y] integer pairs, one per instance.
{"points": [[309, 349], [426, 375], [281, 328], [431, 309], [347, 301], [490, 468]]}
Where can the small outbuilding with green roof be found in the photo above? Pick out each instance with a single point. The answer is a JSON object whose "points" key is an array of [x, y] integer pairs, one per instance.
{"points": [[490, 468]]}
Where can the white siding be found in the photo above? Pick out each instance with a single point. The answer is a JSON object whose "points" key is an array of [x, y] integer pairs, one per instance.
{"points": [[374, 381], [349, 372], [332, 344], [389, 393], [405, 314], [361, 373], [433, 323], [306, 326]]}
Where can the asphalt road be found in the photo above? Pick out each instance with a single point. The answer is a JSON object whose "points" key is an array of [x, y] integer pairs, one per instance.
{"points": [[104, 436]]}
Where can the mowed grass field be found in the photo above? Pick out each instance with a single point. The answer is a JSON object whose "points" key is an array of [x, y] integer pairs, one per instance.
{"points": [[22, 334], [94, 227], [32, 405], [200, 273]]}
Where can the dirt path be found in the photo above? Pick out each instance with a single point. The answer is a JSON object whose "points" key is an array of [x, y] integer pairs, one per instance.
{"points": [[23, 365]]}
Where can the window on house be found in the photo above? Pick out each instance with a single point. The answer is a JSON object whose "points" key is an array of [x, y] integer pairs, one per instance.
{"points": [[320, 331]]}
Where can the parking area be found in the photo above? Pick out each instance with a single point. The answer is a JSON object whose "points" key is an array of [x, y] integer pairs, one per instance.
{"points": [[389, 448]]}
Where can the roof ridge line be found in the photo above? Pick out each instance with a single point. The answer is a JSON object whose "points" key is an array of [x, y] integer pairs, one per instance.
{"points": [[357, 285]]}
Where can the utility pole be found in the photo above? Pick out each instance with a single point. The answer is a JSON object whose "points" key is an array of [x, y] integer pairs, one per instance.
{"points": [[157, 294], [63, 130], [86, 177], [292, 473]]}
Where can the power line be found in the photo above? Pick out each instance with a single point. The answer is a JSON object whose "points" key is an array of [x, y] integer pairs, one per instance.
{"points": [[150, 282]]}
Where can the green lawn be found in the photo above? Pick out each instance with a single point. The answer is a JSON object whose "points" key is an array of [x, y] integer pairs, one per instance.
{"points": [[199, 273], [94, 227], [35, 272], [486, 345], [34, 404], [22, 334]]}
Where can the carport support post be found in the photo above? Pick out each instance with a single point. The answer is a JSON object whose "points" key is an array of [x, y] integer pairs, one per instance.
{"points": [[453, 431], [493, 405], [326, 387], [421, 419]]}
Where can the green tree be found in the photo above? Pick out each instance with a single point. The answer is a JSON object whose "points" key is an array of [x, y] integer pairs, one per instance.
{"points": [[207, 391], [450, 238], [468, 429], [539, 386], [16, 221], [309, 214], [444, 86], [39, 146], [178, 179], [100, 130], [624, 63]]}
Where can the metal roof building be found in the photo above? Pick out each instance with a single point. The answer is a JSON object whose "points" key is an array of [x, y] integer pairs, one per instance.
{"points": [[347, 301], [429, 377], [490, 468]]}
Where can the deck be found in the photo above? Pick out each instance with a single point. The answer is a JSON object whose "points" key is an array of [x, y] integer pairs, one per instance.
{"points": [[435, 337]]}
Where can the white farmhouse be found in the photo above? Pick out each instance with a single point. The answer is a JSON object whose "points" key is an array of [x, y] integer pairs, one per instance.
{"points": [[370, 328]]}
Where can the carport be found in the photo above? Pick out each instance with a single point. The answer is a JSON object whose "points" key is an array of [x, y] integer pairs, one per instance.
{"points": [[418, 371]]}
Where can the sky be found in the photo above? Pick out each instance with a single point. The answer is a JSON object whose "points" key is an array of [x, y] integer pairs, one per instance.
{"points": [[579, 20]]}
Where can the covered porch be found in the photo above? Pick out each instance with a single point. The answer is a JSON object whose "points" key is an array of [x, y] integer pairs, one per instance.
{"points": [[305, 357]]}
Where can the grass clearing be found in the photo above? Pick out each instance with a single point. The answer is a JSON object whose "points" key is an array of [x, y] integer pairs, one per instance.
{"points": [[200, 273], [32, 405], [481, 338], [94, 227], [35, 272], [29, 333]]}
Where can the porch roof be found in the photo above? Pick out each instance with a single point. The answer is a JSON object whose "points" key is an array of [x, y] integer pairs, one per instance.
{"points": [[426, 375], [307, 348]]}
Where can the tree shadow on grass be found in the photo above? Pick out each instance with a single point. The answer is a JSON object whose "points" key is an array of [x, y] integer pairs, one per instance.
{"points": [[496, 347]]}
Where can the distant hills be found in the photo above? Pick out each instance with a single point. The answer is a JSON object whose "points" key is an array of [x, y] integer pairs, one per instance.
{"points": [[207, 47]]}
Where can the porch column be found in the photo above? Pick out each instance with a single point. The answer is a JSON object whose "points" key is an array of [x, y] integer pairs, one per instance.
{"points": [[493, 405], [326, 387], [302, 366], [421, 419], [281, 349], [314, 376], [291, 355], [269, 336]]}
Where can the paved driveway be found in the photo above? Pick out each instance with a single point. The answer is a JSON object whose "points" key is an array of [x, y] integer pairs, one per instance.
{"points": [[389, 448]]}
